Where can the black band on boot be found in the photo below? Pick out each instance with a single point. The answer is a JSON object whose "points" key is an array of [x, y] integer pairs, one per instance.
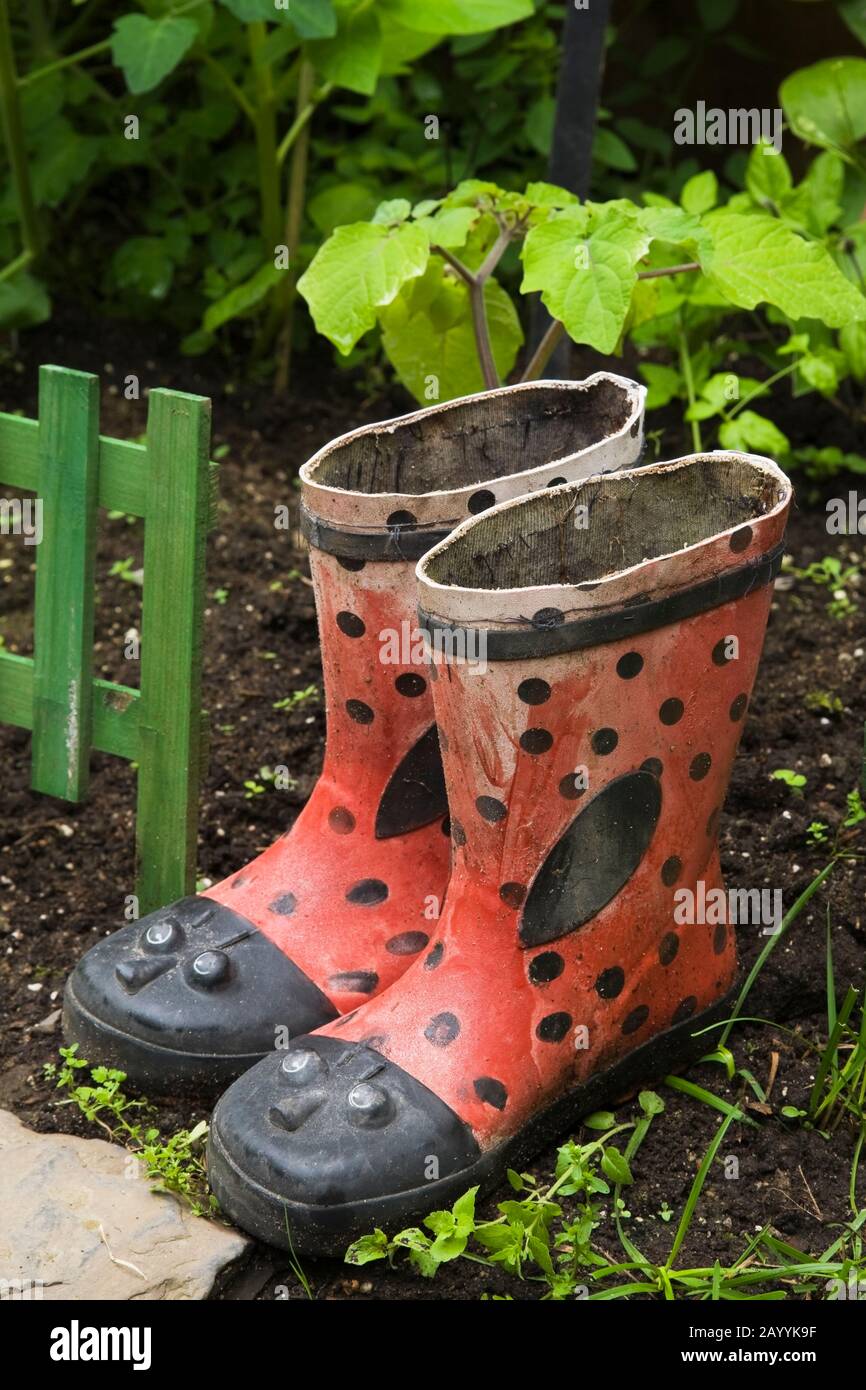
{"points": [[402, 541], [548, 633]]}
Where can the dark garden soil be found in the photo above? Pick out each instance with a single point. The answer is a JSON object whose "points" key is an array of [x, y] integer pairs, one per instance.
{"points": [[65, 870]]}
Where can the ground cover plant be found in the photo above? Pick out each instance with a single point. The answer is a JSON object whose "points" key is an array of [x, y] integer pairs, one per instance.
{"points": [[733, 282]]}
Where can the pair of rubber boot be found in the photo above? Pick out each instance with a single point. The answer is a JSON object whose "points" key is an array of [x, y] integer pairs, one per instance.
{"points": [[554, 752]]}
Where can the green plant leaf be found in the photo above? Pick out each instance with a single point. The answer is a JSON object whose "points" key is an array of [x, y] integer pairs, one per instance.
{"points": [[457, 16], [313, 19], [615, 1167], [341, 204], [854, 14], [147, 50], [372, 1247], [428, 336], [756, 258], [701, 193], [359, 271], [450, 227], [768, 176], [24, 302], [539, 124], [751, 433], [583, 261], [143, 266], [353, 58], [826, 103], [243, 297], [609, 150], [852, 341]]}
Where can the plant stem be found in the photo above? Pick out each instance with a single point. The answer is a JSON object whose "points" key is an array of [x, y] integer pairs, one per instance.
{"points": [[553, 336], [229, 83], [20, 263], [265, 122], [14, 132], [476, 283], [285, 297], [688, 377], [302, 120], [70, 61], [760, 389], [668, 270]]}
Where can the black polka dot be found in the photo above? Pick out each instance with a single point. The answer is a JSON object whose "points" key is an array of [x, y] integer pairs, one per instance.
{"points": [[491, 1091], [548, 617], [445, 827], [671, 870], [341, 821], [458, 834], [490, 809], [408, 943], [604, 741], [713, 821], [284, 905], [410, 685], [237, 882], [401, 519], [512, 894], [545, 967], [361, 713], [533, 691], [636, 1019], [720, 938], [629, 666], [685, 1009], [442, 1030], [536, 741], [653, 765], [481, 500], [720, 652], [700, 766], [671, 711], [435, 957], [741, 539], [738, 708], [554, 1027], [354, 982], [367, 892], [571, 786], [555, 482], [350, 563], [668, 947], [610, 982], [351, 624]]}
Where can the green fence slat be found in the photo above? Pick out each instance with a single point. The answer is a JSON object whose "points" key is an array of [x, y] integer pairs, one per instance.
{"points": [[63, 613], [170, 721], [122, 467]]}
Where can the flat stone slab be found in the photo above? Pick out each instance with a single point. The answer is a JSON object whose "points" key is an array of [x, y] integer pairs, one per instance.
{"points": [[79, 1221]]}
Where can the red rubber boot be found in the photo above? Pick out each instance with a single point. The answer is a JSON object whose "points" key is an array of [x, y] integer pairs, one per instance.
{"points": [[337, 909], [586, 767]]}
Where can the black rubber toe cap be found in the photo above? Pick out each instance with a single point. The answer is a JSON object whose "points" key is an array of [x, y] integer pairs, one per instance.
{"points": [[190, 996], [330, 1138]]}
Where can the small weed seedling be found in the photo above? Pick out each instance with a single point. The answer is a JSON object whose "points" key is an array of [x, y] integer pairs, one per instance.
{"points": [[175, 1164], [794, 781]]}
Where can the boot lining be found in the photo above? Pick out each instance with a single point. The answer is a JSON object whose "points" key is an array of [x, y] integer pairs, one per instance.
{"points": [[630, 518], [475, 441]]}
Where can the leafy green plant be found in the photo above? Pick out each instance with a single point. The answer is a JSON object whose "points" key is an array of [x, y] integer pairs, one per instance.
{"points": [[831, 573], [175, 1164], [424, 275], [219, 180], [794, 781], [297, 699]]}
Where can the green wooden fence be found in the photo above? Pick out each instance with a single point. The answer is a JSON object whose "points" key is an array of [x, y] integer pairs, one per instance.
{"points": [[171, 483]]}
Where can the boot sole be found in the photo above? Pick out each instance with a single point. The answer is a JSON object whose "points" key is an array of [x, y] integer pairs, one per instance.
{"points": [[160, 1070], [327, 1231]]}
